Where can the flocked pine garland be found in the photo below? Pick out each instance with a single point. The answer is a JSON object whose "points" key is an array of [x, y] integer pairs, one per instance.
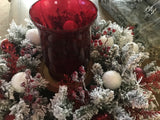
{"points": [[120, 88]]}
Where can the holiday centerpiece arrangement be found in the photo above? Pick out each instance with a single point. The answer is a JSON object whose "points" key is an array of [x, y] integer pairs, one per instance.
{"points": [[120, 88], [99, 79]]}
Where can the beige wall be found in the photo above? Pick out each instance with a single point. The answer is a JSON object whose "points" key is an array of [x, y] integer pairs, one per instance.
{"points": [[4, 17]]}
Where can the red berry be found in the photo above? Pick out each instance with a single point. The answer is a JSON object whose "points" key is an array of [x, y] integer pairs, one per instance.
{"points": [[132, 33], [139, 73], [95, 44], [113, 30], [95, 41], [131, 27], [100, 42], [109, 29], [97, 36], [105, 33]]}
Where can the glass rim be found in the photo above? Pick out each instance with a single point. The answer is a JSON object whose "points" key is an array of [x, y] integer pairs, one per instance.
{"points": [[42, 27]]}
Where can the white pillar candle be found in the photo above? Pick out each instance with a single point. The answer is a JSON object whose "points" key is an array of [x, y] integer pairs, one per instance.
{"points": [[19, 10]]}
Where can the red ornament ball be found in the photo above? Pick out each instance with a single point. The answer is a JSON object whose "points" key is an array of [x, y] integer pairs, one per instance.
{"points": [[70, 25], [139, 73]]}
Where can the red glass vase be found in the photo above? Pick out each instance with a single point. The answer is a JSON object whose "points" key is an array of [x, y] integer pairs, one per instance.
{"points": [[64, 27]]}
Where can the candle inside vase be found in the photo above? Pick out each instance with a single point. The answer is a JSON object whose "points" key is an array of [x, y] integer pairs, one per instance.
{"points": [[64, 27]]}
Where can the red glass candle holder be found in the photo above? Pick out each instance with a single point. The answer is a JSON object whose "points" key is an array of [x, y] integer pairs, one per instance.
{"points": [[64, 27]]}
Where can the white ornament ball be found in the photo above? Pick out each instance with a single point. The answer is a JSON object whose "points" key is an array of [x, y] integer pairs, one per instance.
{"points": [[107, 41], [34, 36], [112, 80], [17, 81]]}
